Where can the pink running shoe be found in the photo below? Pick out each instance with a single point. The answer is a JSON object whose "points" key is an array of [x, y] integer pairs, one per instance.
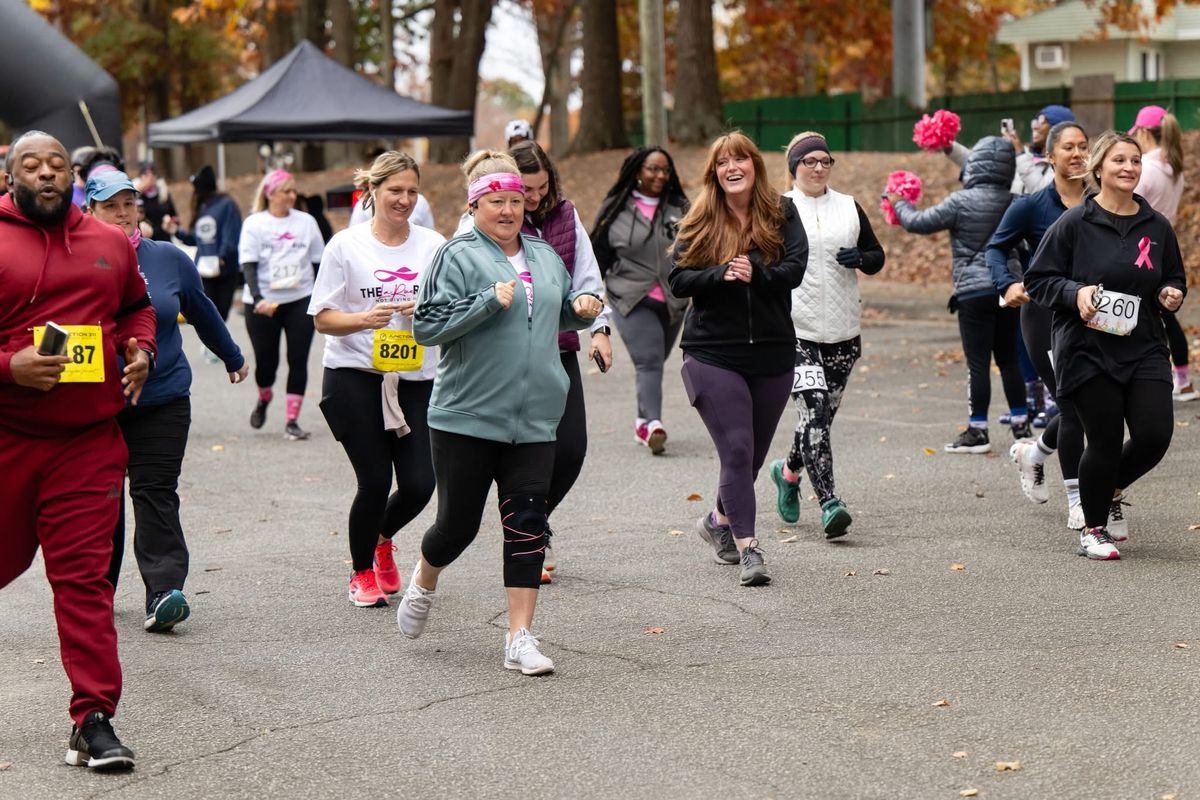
{"points": [[387, 577], [364, 592]]}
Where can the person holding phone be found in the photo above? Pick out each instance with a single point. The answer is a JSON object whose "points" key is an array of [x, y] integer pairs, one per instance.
{"points": [[363, 302], [741, 252], [1108, 269], [494, 301], [825, 313]]}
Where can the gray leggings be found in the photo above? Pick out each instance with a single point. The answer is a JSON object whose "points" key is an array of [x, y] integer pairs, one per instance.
{"points": [[648, 336]]}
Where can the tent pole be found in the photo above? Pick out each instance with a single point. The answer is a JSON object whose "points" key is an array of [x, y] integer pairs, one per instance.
{"points": [[221, 166]]}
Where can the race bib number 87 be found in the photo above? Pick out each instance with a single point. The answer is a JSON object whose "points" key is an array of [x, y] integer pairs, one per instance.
{"points": [[809, 377], [84, 348], [396, 351]]}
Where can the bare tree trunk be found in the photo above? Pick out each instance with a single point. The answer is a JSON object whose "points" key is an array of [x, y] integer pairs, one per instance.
{"points": [[455, 48], [602, 119], [698, 116], [555, 51], [560, 114], [387, 33], [341, 19]]}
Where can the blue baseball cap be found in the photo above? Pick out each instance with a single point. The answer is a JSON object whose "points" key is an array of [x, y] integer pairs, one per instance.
{"points": [[1057, 114], [103, 185]]}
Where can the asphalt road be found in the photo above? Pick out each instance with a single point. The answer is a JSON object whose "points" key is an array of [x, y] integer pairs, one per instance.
{"points": [[869, 668]]}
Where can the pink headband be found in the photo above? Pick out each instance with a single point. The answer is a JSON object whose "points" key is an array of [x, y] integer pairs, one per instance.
{"points": [[274, 180], [495, 182]]}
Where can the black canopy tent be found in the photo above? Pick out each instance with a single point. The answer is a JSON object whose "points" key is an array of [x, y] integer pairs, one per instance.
{"points": [[307, 96], [46, 77]]}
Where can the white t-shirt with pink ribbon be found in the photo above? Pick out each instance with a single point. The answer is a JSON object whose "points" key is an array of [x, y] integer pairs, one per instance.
{"points": [[521, 265]]}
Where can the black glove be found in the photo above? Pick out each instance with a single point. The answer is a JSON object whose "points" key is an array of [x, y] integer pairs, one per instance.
{"points": [[849, 257]]}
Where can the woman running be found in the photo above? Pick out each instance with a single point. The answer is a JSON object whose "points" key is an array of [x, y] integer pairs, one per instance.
{"points": [[215, 232], [550, 216], [825, 313], [280, 250], [498, 397], [1158, 134], [156, 429], [1108, 269], [987, 330], [634, 228], [1025, 223], [740, 253], [363, 302]]}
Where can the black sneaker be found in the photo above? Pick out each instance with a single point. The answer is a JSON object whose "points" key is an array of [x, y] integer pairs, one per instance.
{"points": [[166, 610], [972, 440], [95, 745], [1021, 430], [720, 538], [754, 566], [293, 432], [258, 417]]}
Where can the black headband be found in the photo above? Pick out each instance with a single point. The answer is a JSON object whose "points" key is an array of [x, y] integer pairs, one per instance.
{"points": [[809, 144]]}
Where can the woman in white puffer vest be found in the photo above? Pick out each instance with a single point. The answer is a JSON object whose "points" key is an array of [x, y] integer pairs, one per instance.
{"points": [[825, 311]]}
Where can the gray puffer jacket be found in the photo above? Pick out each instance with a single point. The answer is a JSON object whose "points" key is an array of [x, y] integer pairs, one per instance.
{"points": [[971, 214]]}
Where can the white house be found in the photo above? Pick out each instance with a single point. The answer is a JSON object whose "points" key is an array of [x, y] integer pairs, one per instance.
{"points": [[1062, 42]]}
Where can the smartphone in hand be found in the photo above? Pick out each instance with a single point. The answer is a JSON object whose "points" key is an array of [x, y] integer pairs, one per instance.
{"points": [[599, 359], [54, 340], [1007, 127]]}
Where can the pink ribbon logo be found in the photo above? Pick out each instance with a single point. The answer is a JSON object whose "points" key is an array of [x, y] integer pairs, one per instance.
{"points": [[402, 274], [1143, 259]]}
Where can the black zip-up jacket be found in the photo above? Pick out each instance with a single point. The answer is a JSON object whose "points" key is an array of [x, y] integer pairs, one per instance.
{"points": [[746, 327], [1086, 247]]}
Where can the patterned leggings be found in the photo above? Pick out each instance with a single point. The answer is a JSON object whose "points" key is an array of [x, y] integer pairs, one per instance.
{"points": [[811, 448]]}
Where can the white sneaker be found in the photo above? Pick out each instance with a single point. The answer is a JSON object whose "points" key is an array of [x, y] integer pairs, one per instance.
{"points": [[1075, 519], [522, 653], [1185, 394], [1095, 543], [414, 607], [1033, 475], [1118, 526]]}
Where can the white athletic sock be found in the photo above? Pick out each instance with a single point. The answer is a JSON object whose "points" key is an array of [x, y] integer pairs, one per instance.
{"points": [[1072, 488], [1041, 451]]}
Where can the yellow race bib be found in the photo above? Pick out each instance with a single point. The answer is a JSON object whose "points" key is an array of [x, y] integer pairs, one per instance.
{"points": [[86, 351], [396, 351]]}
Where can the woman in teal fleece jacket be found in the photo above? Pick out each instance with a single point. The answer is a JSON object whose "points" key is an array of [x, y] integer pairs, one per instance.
{"points": [[494, 301]]}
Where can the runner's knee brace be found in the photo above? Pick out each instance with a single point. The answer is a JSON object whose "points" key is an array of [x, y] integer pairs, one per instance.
{"points": [[523, 518]]}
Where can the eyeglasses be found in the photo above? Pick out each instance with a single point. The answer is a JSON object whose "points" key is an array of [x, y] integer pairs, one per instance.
{"points": [[657, 170], [813, 163]]}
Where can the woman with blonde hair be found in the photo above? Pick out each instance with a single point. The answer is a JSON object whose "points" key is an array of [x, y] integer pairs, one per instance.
{"points": [[1158, 134], [494, 301], [740, 252], [1107, 269], [825, 313], [363, 301], [279, 250]]}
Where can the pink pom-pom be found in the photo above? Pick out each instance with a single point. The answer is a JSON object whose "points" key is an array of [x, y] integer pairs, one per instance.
{"points": [[905, 184], [937, 132]]}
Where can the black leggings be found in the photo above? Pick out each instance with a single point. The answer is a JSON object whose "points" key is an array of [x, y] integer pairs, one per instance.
{"points": [[811, 445], [292, 320], [988, 330], [1065, 432], [570, 445], [221, 290], [466, 467], [1176, 339], [1105, 407], [351, 403]]}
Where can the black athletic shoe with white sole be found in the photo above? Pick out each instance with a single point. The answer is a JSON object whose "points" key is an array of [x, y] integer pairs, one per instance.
{"points": [[972, 440], [95, 745]]}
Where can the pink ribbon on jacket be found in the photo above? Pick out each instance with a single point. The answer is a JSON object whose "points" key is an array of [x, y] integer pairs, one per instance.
{"points": [[1143, 259]]}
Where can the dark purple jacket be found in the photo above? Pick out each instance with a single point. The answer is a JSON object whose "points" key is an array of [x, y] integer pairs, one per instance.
{"points": [[558, 230]]}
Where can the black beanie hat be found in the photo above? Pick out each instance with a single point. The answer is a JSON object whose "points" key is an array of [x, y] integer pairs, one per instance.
{"points": [[205, 180]]}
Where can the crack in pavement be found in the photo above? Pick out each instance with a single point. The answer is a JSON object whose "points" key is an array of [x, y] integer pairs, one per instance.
{"points": [[764, 623]]}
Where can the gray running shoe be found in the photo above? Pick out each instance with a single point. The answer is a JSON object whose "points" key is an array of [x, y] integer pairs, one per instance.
{"points": [[754, 568], [413, 612], [720, 538]]}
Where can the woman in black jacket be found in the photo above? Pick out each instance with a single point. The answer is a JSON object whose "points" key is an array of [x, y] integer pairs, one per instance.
{"points": [[740, 252], [1107, 269]]}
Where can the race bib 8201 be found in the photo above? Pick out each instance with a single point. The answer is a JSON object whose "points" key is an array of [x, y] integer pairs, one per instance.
{"points": [[396, 351]]}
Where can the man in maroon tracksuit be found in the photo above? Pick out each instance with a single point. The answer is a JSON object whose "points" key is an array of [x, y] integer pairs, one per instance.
{"points": [[61, 452]]}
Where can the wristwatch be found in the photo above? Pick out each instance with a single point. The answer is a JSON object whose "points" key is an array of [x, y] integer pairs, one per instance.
{"points": [[607, 331], [149, 355]]}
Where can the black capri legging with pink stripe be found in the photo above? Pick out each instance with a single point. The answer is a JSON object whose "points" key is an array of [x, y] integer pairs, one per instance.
{"points": [[466, 467]]}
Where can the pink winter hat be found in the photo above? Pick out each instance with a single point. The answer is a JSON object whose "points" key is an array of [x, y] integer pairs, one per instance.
{"points": [[1148, 117]]}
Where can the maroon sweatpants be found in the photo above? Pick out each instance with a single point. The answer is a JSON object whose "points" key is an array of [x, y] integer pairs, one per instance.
{"points": [[63, 494]]}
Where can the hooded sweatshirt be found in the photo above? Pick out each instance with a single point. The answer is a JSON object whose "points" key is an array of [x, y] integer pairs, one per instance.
{"points": [[82, 272]]}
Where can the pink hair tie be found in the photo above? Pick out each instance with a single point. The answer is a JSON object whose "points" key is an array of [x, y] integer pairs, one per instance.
{"points": [[274, 180], [495, 182]]}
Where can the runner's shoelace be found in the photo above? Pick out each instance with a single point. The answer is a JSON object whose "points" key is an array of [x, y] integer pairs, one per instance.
{"points": [[1100, 535], [1039, 474], [1115, 512]]}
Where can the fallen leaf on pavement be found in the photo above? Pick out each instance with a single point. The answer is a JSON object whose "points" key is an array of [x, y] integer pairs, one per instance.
{"points": [[694, 497], [1182, 424], [39, 661], [654, 631], [1008, 766], [882, 571], [5, 765], [1182, 646], [1194, 527], [889, 477], [929, 451], [969, 793], [676, 533], [979, 493], [216, 448], [958, 567], [959, 754], [850, 574], [941, 704], [791, 539], [883, 438]]}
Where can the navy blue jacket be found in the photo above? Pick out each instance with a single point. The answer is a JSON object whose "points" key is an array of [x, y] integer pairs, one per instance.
{"points": [[175, 287], [1026, 220], [216, 231]]}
